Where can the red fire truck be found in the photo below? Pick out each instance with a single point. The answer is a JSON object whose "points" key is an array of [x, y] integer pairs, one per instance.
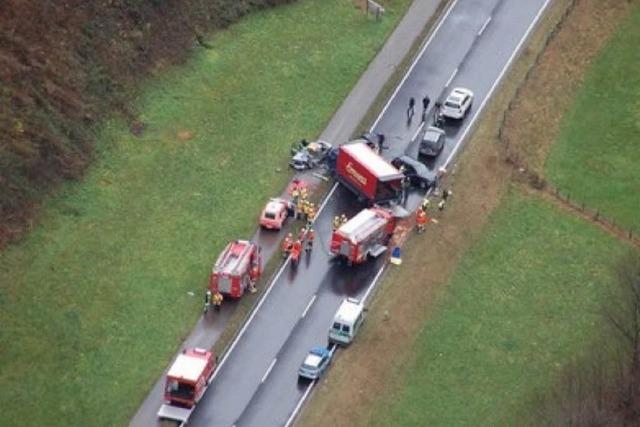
{"points": [[237, 267], [367, 174], [187, 380], [366, 234]]}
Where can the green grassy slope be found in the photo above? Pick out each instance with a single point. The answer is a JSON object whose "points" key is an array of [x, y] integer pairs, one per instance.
{"points": [[597, 154], [94, 301], [524, 300]]}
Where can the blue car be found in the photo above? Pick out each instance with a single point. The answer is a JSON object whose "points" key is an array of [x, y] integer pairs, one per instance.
{"points": [[315, 363]]}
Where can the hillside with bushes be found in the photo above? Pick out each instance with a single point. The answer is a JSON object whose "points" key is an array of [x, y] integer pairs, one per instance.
{"points": [[65, 64]]}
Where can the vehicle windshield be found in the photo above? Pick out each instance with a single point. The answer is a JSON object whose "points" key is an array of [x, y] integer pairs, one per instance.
{"points": [[270, 215], [451, 104], [181, 390]]}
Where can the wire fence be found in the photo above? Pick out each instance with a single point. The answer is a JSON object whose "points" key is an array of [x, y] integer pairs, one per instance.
{"points": [[595, 214], [539, 183]]}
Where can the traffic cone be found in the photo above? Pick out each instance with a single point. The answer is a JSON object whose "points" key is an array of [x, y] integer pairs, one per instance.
{"points": [[395, 256]]}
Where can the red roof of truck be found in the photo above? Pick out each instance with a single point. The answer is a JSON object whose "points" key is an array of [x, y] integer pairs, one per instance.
{"points": [[374, 163]]}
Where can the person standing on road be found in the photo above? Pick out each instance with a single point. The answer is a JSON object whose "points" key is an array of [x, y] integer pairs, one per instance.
{"points": [[311, 234], [410, 110], [425, 105], [207, 300]]}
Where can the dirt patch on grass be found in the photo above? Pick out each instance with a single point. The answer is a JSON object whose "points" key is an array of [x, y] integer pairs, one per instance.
{"points": [[518, 128], [533, 119]]}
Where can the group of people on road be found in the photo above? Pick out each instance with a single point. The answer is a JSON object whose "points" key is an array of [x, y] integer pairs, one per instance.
{"points": [[438, 118], [411, 109], [421, 213], [304, 209], [339, 221]]}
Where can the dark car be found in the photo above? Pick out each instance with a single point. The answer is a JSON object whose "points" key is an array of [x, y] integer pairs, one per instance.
{"points": [[432, 142], [417, 173]]}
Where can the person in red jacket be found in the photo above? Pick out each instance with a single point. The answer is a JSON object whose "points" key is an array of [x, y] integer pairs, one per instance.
{"points": [[421, 220], [286, 245], [296, 248]]}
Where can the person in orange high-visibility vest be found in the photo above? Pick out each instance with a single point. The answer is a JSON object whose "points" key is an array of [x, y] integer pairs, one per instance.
{"points": [[421, 220], [286, 245], [296, 248], [311, 234]]}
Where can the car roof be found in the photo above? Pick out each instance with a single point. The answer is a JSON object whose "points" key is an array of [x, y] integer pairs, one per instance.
{"points": [[319, 351]]}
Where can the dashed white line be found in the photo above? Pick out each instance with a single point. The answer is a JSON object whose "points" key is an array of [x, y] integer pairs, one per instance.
{"points": [[313, 298], [415, 61], [453, 75], [496, 82], [299, 405], [266, 374], [417, 131], [484, 26]]}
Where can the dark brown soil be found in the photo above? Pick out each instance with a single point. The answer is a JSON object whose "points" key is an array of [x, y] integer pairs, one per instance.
{"points": [[64, 64]]}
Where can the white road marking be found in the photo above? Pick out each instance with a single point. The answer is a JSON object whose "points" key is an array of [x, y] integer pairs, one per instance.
{"points": [[313, 298], [373, 284], [248, 322], [415, 61], [299, 405], [326, 199], [266, 374], [484, 26], [417, 131], [453, 75], [496, 82]]}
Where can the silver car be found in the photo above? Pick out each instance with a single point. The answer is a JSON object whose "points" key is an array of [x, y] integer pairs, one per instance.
{"points": [[315, 363], [457, 103]]}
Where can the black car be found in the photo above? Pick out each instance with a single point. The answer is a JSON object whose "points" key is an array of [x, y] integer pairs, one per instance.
{"points": [[432, 142], [417, 173]]}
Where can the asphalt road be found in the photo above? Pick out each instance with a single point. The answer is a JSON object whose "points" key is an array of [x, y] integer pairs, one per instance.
{"points": [[256, 383]]}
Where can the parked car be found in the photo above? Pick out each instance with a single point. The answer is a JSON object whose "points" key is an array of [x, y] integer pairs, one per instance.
{"points": [[315, 363], [417, 173], [432, 142], [275, 213], [457, 104], [308, 155]]}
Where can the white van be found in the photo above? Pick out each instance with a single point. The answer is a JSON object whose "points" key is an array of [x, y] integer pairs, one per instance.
{"points": [[347, 321]]}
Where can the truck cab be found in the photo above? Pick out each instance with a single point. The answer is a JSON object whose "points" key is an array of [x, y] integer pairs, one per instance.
{"points": [[186, 382]]}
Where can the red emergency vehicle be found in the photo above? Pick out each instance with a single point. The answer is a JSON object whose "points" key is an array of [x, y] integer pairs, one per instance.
{"points": [[187, 380], [366, 234], [237, 267], [275, 213], [367, 174]]}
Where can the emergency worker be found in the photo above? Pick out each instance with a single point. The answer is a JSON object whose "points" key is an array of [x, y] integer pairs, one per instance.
{"points": [[421, 220], [336, 222], [217, 300], [286, 245], [311, 234], [343, 219], [207, 300]]}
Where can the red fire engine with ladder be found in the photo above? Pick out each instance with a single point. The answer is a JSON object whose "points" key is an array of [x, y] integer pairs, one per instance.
{"points": [[236, 269], [366, 234], [187, 381]]}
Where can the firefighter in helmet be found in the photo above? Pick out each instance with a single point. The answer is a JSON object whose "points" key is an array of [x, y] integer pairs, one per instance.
{"points": [[343, 219], [336, 222], [207, 300], [217, 300], [286, 245]]}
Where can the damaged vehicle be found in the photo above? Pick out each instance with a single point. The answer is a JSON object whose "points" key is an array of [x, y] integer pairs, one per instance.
{"points": [[308, 155]]}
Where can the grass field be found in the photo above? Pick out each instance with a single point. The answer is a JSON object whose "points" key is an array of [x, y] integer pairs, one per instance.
{"points": [[94, 301], [597, 154], [499, 334]]}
